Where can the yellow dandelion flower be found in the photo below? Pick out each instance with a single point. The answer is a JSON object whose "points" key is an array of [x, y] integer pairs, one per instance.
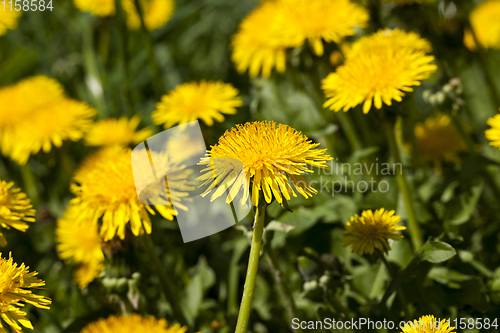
{"points": [[437, 139], [8, 18], [372, 230], [35, 115], [428, 324], [376, 76], [273, 156], [97, 7], [78, 241], [262, 40], [484, 20], [105, 189], [15, 209], [328, 20], [405, 2], [156, 13], [264, 35], [121, 132], [131, 324], [16, 283], [388, 38], [191, 101], [493, 134]]}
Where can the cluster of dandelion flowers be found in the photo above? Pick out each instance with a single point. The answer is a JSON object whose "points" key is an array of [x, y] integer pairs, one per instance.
{"points": [[120, 132], [8, 19], [493, 133], [274, 157], [486, 25], [15, 209], [265, 34], [205, 100], [16, 282], [105, 189], [35, 114], [78, 242], [131, 324], [377, 74], [372, 230], [428, 324], [437, 139], [156, 13]]}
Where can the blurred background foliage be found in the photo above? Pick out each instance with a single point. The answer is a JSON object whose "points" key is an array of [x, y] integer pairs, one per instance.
{"points": [[100, 62]]}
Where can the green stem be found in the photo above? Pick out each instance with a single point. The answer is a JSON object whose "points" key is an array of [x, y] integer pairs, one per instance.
{"points": [[165, 283], [29, 182], [253, 265], [483, 58], [121, 31], [350, 131], [488, 177], [401, 295], [92, 71], [282, 286], [153, 64], [404, 187]]}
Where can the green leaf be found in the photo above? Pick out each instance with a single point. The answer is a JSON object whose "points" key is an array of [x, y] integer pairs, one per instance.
{"points": [[436, 251]]}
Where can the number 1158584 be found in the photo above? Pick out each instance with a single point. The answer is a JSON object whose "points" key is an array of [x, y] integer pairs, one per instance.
{"points": [[26, 5]]}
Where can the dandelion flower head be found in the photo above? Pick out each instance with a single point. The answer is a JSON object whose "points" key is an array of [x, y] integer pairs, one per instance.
{"points": [[493, 133], [381, 73], [428, 324], [105, 189], [8, 19], [131, 324], [265, 34], [121, 132], [485, 21], [35, 115], [156, 13], [205, 100], [15, 209], [79, 242], [16, 284], [372, 230], [437, 139], [274, 156]]}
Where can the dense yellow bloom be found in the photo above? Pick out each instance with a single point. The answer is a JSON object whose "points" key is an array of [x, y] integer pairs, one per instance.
{"points": [[79, 242], [15, 209], [405, 2], [16, 283], [121, 132], [191, 101], [428, 324], [437, 139], [96, 7], [328, 20], [8, 18], [156, 13], [381, 73], [266, 33], [388, 38], [261, 42], [35, 115], [486, 24], [132, 324], [493, 134], [104, 188], [372, 230], [273, 156]]}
